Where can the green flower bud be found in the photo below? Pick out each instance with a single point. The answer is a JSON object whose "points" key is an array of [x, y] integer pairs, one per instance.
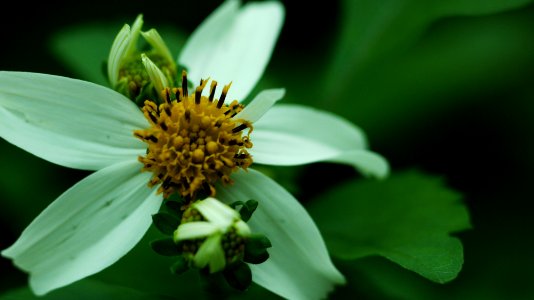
{"points": [[127, 66]]}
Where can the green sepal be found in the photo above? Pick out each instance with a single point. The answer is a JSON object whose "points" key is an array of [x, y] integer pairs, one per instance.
{"points": [[174, 208], [202, 193], [165, 247], [179, 266], [247, 208], [238, 276], [256, 249], [256, 258], [166, 223], [235, 204]]}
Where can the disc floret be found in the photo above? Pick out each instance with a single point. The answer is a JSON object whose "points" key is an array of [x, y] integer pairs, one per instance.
{"points": [[194, 141]]}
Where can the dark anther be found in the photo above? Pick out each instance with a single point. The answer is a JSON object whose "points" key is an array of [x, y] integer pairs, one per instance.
{"points": [[213, 87], [232, 142], [239, 128], [241, 156], [153, 118], [152, 138], [221, 100], [178, 94], [218, 123], [168, 110], [163, 126], [167, 96], [187, 115], [184, 83], [166, 182], [198, 93]]}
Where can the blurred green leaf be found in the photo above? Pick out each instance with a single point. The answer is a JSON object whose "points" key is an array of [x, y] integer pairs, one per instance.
{"points": [[399, 62], [85, 48], [475, 7], [407, 218], [83, 290]]}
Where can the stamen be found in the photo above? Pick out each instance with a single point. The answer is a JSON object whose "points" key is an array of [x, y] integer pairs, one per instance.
{"points": [[239, 128], [178, 94], [184, 83], [167, 96], [163, 126], [198, 91], [167, 110], [153, 118], [223, 95], [213, 87]]}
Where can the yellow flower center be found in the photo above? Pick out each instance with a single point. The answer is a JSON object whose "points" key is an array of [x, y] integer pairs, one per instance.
{"points": [[193, 141]]}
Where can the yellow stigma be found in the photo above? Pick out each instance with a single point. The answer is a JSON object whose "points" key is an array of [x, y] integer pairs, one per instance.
{"points": [[193, 141]]}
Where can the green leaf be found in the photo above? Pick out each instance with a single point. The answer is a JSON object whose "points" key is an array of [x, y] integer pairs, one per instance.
{"points": [[407, 218], [84, 49], [409, 60], [166, 223], [86, 289]]}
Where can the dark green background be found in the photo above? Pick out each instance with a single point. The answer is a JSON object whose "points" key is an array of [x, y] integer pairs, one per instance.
{"points": [[445, 87]]}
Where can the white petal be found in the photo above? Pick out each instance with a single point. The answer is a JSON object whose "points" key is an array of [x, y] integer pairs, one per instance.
{"points": [[260, 105], [118, 49], [134, 35], [294, 134], [193, 230], [69, 122], [156, 41], [88, 228], [211, 252], [299, 266], [234, 45], [242, 228], [155, 74], [216, 212]]}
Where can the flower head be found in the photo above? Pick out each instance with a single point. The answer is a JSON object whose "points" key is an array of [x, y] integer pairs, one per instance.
{"points": [[82, 125], [217, 229], [194, 141]]}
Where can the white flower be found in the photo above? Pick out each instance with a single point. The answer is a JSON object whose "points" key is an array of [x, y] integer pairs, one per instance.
{"points": [[81, 125]]}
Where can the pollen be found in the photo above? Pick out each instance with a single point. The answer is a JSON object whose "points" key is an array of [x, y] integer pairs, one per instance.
{"points": [[194, 141]]}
